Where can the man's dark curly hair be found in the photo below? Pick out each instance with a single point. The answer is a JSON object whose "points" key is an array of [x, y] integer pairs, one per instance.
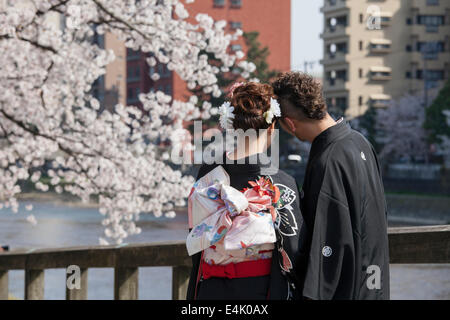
{"points": [[304, 92]]}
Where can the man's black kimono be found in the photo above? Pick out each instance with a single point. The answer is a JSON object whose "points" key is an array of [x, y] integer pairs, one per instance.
{"points": [[344, 210]]}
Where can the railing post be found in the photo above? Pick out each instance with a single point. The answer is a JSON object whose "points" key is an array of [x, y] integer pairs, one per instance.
{"points": [[126, 283], [74, 293], [34, 284], [4, 284], [180, 281]]}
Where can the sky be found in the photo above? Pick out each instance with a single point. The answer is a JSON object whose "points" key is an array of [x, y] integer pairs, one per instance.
{"points": [[307, 24]]}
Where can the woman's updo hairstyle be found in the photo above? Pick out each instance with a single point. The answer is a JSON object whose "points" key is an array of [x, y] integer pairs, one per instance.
{"points": [[250, 101]]}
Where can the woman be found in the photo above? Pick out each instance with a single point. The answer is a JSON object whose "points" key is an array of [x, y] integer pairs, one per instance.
{"points": [[244, 223]]}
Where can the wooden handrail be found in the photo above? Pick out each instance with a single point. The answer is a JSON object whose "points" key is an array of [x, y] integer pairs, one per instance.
{"points": [[406, 245], [429, 244]]}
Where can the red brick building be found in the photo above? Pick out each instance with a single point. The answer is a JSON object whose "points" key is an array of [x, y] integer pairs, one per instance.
{"points": [[271, 18]]}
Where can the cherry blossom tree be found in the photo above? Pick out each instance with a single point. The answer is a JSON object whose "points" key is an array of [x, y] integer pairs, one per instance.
{"points": [[47, 112], [400, 129]]}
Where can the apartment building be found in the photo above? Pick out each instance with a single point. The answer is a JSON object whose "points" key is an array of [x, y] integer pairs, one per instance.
{"points": [[378, 50]]}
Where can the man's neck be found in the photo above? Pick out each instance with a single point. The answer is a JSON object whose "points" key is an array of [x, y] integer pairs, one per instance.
{"points": [[317, 127]]}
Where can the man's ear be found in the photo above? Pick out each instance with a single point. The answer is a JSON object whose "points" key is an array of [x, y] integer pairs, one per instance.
{"points": [[289, 125]]}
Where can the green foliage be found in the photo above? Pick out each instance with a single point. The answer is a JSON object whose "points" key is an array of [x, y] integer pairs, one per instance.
{"points": [[436, 121], [258, 56], [367, 122]]}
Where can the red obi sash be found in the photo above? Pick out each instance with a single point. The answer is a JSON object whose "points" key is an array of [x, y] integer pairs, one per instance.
{"points": [[253, 268]]}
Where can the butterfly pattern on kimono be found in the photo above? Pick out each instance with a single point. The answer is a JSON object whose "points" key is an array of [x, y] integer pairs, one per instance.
{"points": [[285, 221]]}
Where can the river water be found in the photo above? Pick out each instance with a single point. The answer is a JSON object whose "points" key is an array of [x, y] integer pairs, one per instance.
{"points": [[62, 225]]}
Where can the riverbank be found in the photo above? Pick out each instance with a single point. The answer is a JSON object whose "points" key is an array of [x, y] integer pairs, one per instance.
{"points": [[402, 207], [65, 199]]}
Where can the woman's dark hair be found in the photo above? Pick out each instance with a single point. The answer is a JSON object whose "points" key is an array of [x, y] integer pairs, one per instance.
{"points": [[302, 91], [250, 101]]}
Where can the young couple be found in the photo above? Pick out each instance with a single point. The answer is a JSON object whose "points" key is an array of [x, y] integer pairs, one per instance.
{"points": [[254, 235]]}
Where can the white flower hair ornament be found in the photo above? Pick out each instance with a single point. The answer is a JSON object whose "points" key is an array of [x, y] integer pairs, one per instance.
{"points": [[226, 115], [274, 111]]}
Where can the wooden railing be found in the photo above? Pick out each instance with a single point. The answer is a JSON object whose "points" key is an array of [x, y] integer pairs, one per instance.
{"points": [[406, 245]]}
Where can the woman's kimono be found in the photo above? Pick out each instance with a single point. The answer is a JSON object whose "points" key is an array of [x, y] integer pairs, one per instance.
{"points": [[234, 219]]}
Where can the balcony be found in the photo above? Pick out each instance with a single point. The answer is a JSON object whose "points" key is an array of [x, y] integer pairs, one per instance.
{"points": [[335, 52], [380, 100], [333, 6], [336, 31], [385, 19], [334, 85], [380, 73], [337, 58], [380, 46]]}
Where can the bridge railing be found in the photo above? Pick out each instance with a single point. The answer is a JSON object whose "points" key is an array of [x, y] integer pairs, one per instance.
{"points": [[407, 246]]}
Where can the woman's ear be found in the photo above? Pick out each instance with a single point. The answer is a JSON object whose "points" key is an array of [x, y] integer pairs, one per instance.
{"points": [[271, 128]]}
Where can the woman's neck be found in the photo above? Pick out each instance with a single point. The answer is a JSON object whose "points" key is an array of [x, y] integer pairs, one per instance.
{"points": [[258, 145]]}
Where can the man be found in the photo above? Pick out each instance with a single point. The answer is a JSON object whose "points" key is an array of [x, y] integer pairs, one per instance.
{"points": [[342, 198]]}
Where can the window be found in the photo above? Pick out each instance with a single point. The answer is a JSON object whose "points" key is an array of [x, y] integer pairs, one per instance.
{"points": [[133, 55], [334, 75], [341, 74], [335, 22], [408, 75], [360, 72], [168, 90], [431, 46], [236, 47], [133, 94], [361, 46], [432, 22], [341, 103], [336, 48], [133, 73], [99, 40], [433, 75], [235, 25], [432, 2], [361, 18], [98, 88], [360, 100], [408, 21], [219, 3], [380, 75], [408, 48], [236, 3], [380, 46]]}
